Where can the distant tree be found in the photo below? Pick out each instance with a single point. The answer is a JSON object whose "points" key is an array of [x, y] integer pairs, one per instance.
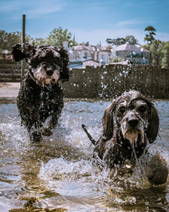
{"points": [[3, 39], [39, 41], [7, 40], [115, 42], [165, 55], [73, 42], [87, 43], [57, 36], [118, 41], [131, 40], [108, 47], [156, 52], [146, 46], [109, 41], [149, 38]]}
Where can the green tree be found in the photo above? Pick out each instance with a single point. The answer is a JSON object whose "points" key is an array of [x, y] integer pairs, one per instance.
{"points": [[38, 41], [149, 38], [131, 40], [165, 55], [7, 40], [57, 36], [3, 39], [115, 42], [156, 52], [119, 41]]}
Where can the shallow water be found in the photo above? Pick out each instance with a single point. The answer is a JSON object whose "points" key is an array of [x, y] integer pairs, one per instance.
{"points": [[59, 174]]}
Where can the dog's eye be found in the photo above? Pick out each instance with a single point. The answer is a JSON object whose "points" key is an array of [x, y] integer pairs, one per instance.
{"points": [[122, 109], [142, 109]]}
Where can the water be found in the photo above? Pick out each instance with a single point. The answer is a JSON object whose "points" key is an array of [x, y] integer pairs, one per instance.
{"points": [[59, 174]]}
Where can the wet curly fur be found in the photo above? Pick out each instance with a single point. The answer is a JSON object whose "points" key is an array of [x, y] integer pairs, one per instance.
{"points": [[40, 99], [130, 123]]}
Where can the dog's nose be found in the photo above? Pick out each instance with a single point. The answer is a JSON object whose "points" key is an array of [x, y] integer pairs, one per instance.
{"points": [[49, 72], [133, 122]]}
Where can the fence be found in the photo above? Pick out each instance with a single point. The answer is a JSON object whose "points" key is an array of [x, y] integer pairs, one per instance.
{"points": [[10, 71], [105, 81], [110, 81]]}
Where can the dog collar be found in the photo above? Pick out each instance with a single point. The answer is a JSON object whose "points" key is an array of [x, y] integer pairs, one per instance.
{"points": [[125, 146], [34, 79]]}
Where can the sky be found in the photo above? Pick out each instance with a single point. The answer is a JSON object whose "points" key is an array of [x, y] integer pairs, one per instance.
{"points": [[90, 21]]}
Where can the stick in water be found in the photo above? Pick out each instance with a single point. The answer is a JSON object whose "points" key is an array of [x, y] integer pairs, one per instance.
{"points": [[88, 134]]}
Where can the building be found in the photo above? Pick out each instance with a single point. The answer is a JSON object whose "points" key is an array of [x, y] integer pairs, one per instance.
{"points": [[132, 53], [89, 54]]}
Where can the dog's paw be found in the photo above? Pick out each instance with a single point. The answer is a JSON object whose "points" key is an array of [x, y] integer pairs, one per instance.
{"points": [[46, 131], [157, 170], [35, 137]]}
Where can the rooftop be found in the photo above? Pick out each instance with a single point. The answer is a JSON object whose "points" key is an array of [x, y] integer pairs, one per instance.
{"points": [[129, 47]]}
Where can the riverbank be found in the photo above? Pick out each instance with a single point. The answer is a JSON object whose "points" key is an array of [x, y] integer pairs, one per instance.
{"points": [[9, 90]]}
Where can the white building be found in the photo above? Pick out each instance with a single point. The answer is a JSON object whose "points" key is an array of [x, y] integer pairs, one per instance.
{"points": [[132, 53], [98, 54]]}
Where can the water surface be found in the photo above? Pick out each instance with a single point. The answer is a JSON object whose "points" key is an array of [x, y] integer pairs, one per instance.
{"points": [[59, 174]]}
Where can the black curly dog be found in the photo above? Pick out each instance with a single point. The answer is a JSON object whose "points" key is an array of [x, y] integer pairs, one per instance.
{"points": [[130, 123], [40, 99]]}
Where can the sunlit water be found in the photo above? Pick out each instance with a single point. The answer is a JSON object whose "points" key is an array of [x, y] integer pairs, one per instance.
{"points": [[59, 174]]}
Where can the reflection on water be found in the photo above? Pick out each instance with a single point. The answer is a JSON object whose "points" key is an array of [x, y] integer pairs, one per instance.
{"points": [[59, 174]]}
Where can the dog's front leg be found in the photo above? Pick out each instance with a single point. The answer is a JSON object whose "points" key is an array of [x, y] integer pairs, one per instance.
{"points": [[34, 132], [33, 124], [30, 118], [51, 122], [51, 110], [49, 125]]}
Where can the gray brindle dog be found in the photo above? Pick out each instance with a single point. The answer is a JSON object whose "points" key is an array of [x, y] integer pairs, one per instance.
{"points": [[40, 99], [130, 123]]}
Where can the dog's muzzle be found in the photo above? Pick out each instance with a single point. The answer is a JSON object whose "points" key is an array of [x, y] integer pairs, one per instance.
{"points": [[49, 72], [132, 127], [44, 77]]}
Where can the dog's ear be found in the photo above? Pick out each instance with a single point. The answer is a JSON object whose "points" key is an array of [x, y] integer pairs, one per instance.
{"points": [[107, 120], [64, 72], [19, 52], [153, 125]]}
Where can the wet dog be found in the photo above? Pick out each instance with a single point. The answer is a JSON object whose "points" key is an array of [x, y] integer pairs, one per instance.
{"points": [[130, 123], [40, 99]]}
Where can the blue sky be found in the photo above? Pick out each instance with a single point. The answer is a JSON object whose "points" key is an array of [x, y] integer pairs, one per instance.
{"points": [[88, 20]]}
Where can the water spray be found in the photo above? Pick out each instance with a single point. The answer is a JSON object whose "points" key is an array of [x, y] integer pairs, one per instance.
{"points": [[133, 142]]}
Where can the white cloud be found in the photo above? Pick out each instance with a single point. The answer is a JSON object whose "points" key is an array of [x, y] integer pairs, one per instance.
{"points": [[33, 8], [47, 7], [129, 22]]}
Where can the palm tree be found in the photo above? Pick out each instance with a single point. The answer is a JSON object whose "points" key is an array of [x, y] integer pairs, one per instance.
{"points": [[150, 36]]}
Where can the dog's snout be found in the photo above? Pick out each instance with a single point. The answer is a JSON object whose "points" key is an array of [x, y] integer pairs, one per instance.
{"points": [[49, 72], [133, 122]]}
